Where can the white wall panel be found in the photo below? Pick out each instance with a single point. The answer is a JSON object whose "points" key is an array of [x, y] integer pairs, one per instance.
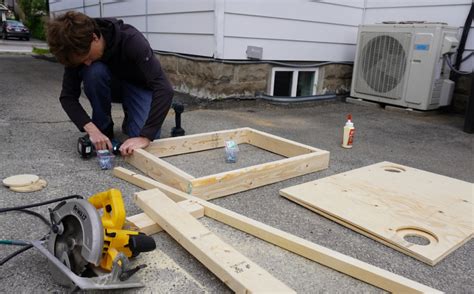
{"points": [[138, 22], [234, 48], [454, 15], [298, 10], [468, 65], [313, 30], [284, 29], [350, 3], [65, 5], [292, 29], [187, 44], [408, 3], [124, 8], [91, 2], [92, 10], [191, 23], [470, 39], [173, 6]]}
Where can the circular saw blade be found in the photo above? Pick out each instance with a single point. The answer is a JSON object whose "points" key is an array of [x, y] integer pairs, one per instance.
{"points": [[68, 246], [78, 239]]}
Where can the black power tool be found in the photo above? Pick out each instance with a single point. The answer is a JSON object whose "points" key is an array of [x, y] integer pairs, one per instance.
{"points": [[177, 130], [86, 148]]}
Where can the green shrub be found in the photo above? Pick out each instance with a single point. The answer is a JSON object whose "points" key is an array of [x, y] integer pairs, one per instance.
{"points": [[35, 12], [38, 29], [40, 51]]}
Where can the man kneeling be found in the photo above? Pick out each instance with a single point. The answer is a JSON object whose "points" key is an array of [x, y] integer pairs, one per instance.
{"points": [[111, 59]]}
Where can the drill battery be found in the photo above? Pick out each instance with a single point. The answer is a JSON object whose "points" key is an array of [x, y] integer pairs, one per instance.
{"points": [[86, 148]]}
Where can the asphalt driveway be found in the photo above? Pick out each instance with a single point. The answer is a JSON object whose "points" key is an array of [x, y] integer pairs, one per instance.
{"points": [[38, 138]]}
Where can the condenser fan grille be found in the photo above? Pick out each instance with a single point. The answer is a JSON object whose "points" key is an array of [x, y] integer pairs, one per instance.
{"points": [[382, 64]]}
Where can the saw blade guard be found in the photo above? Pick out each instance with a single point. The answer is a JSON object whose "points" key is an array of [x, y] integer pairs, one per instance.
{"points": [[80, 234]]}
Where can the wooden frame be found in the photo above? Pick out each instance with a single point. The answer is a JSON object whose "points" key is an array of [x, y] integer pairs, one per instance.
{"points": [[325, 256], [301, 159]]}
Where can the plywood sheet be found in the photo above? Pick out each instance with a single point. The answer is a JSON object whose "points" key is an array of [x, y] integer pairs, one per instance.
{"points": [[422, 214]]}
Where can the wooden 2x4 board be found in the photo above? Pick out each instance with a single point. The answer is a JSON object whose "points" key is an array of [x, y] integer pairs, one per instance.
{"points": [[422, 214]]}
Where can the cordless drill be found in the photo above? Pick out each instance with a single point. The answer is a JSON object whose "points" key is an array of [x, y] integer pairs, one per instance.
{"points": [[86, 148], [178, 110]]}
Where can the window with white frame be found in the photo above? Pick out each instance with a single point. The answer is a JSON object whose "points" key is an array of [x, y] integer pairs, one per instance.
{"points": [[294, 82]]}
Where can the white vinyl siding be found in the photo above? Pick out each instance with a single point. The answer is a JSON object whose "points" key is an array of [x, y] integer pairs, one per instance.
{"points": [[300, 30], [285, 29]]}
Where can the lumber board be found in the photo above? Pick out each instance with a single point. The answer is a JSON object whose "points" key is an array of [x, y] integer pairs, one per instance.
{"points": [[277, 144], [197, 142], [226, 183], [390, 202], [144, 224], [230, 266], [159, 169], [350, 266]]}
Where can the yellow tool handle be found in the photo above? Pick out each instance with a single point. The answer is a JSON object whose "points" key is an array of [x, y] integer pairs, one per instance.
{"points": [[113, 208]]}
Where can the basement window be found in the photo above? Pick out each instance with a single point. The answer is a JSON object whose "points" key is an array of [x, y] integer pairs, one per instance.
{"points": [[293, 82]]}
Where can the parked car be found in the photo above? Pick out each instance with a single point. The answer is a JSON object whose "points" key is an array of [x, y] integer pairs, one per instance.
{"points": [[15, 28]]}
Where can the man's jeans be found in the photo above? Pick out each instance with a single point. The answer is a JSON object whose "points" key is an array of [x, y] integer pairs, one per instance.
{"points": [[136, 101]]}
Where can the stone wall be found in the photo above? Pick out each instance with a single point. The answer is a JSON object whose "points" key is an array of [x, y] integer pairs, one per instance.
{"points": [[335, 79], [217, 80]]}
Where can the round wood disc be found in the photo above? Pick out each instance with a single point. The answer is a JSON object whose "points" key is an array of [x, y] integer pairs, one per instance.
{"points": [[20, 180], [38, 185]]}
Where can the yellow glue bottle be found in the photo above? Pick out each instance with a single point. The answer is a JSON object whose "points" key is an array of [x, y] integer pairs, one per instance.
{"points": [[349, 130]]}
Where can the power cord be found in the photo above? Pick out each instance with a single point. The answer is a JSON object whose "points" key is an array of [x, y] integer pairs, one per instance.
{"points": [[24, 209], [6, 209], [447, 58]]}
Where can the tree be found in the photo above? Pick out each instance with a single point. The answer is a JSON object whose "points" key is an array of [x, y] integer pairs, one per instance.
{"points": [[35, 12]]}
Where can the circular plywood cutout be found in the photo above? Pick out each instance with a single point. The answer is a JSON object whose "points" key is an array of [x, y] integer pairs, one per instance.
{"points": [[417, 236], [20, 180], [40, 184]]}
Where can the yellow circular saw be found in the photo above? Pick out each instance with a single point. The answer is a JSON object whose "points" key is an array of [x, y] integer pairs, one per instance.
{"points": [[91, 251]]}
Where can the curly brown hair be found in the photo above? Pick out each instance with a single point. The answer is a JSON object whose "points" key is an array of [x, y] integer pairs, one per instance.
{"points": [[70, 36]]}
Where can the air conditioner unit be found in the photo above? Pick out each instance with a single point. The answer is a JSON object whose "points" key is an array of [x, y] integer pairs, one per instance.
{"points": [[403, 64]]}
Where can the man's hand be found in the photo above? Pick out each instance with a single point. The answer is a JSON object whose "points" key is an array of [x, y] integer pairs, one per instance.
{"points": [[100, 141], [133, 143]]}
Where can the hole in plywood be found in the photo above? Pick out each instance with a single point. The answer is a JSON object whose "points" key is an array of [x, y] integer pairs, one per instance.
{"points": [[417, 239], [417, 236], [393, 169]]}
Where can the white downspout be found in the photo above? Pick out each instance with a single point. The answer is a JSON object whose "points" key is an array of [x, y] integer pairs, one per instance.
{"points": [[219, 11], [364, 11]]}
